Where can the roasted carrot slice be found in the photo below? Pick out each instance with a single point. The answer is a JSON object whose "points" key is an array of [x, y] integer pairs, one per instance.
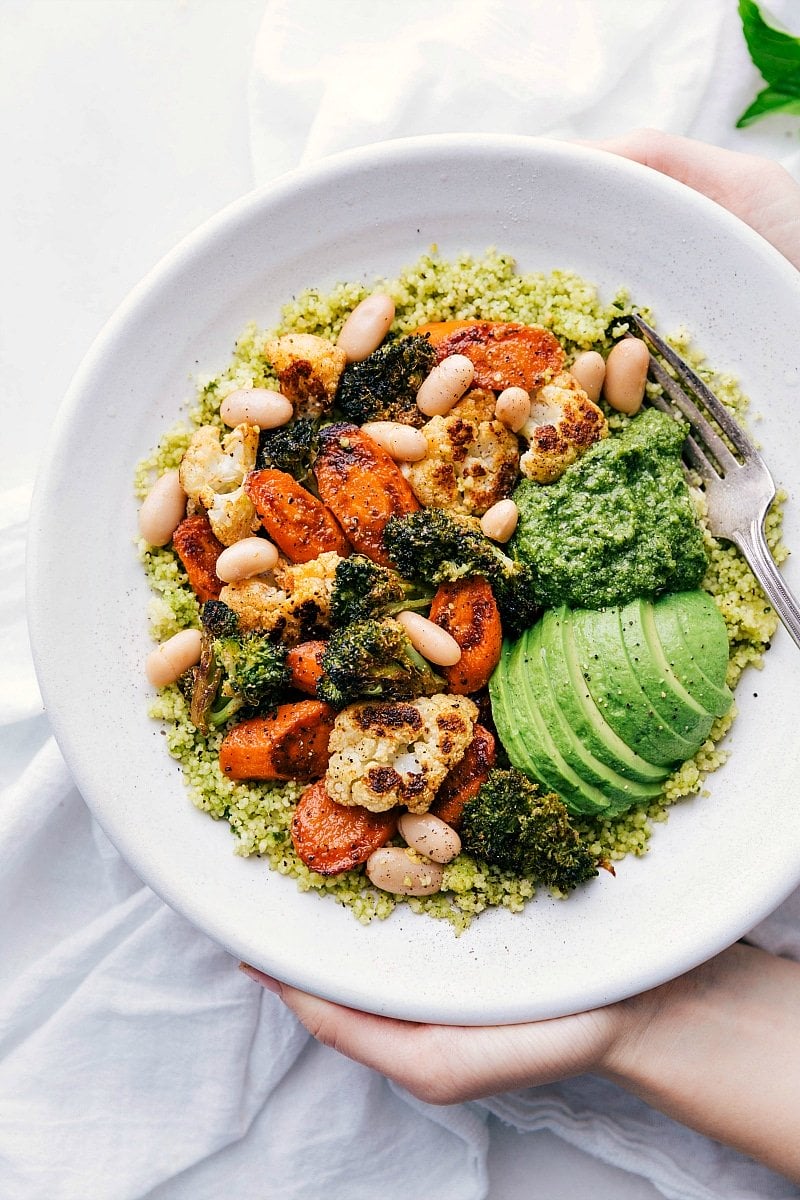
{"points": [[437, 331], [298, 523], [305, 666], [362, 485], [504, 353], [198, 548], [466, 777], [331, 837], [468, 611], [290, 743]]}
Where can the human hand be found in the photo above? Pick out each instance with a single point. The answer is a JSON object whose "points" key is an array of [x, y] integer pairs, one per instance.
{"points": [[717, 1049], [757, 190], [444, 1064]]}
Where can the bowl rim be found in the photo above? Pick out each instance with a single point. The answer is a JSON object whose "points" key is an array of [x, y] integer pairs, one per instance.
{"points": [[239, 212]]}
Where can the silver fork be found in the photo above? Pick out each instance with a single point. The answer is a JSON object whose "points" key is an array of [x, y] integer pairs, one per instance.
{"points": [[738, 486]]}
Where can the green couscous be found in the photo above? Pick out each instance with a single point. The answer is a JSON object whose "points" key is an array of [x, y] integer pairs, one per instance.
{"points": [[486, 288]]}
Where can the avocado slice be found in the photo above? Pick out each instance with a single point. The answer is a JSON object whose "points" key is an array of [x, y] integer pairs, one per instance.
{"points": [[573, 750], [549, 765], [536, 750], [579, 709], [659, 682], [695, 640], [525, 737], [506, 713], [600, 705], [616, 687]]}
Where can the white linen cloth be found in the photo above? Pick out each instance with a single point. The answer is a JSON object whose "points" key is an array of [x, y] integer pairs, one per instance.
{"points": [[135, 1060]]}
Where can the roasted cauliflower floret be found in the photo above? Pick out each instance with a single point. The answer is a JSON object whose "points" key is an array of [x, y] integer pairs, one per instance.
{"points": [[472, 458], [308, 369], [212, 473], [563, 424], [259, 606], [295, 610], [309, 585], [383, 754]]}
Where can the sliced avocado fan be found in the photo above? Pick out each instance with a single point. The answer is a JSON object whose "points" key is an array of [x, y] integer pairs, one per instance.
{"points": [[601, 706]]}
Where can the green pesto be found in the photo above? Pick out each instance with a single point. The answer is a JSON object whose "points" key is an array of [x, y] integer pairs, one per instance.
{"points": [[619, 523]]}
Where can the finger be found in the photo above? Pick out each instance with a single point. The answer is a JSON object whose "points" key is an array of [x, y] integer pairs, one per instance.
{"points": [[447, 1064], [706, 168], [409, 1053], [757, 190], [380, 1042], [266, 981], [362, 1036]]}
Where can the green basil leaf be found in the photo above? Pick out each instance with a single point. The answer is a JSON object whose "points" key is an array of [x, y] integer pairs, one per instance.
{"points": [[775, 53], [769, 101]]}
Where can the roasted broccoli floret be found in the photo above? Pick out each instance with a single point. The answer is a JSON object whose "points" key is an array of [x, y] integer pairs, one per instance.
{"points": [[290, 448], [234, 671], [439, 547], [384, 386], [218, 619], [374, 658], [362, 588], [512, 824]]}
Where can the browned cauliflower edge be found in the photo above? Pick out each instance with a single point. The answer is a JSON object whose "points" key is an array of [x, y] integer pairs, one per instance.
{"points": [[472, 458], [293, 606], [212, 473], [308, 369], [563, 424], [385, 754]]}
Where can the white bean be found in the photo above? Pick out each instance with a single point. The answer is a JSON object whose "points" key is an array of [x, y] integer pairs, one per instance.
{"points": [[430, 836], [403, 442], [445, 385], [168, 661], [432, 642], [263, 407], [366, 327], [395, 869], [245, 558], [163, 509], [626, 373], [589, 368], [513, 408], [499, 521]]}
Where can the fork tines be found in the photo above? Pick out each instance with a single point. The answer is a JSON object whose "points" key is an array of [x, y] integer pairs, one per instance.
{"points": [[705, 440]]}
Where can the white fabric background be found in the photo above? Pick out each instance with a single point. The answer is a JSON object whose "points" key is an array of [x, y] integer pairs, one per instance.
{"points": [[135, 1060]]}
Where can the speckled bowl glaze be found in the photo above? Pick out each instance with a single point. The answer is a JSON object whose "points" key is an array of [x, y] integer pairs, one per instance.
{"points": [[721, 862]]}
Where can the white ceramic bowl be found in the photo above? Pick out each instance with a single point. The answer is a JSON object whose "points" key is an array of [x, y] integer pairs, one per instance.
{"points": [[721, 862]]}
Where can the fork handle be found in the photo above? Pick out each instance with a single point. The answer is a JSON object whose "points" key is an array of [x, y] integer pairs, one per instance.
{"points": [[753, 545]]}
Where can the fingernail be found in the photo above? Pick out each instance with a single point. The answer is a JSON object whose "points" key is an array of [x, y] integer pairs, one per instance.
{"points": [[266, 981]]}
